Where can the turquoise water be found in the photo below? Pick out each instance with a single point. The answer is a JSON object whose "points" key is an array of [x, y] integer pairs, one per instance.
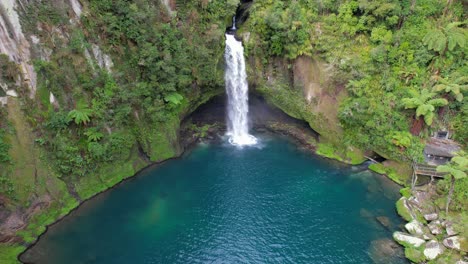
{"points": [[220, 204]]}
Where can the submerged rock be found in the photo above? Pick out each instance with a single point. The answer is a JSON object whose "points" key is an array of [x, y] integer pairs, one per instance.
{"points": [[405, 239], [433, 249], [385, 250], [384, 221]]}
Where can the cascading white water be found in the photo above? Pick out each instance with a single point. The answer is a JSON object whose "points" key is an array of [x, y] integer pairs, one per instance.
{"points": [[237, 93]]}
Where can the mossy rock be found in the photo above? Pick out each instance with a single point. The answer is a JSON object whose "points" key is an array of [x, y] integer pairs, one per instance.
{"points": [[10, 252], [397, 171], [406, 192], [402, 210], [415, 255]]}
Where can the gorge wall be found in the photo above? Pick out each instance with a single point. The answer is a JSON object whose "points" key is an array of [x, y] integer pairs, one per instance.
{"points": [[92, 91]]}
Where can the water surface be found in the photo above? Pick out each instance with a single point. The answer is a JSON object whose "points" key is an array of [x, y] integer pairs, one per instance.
{"points": [[222, 204]]}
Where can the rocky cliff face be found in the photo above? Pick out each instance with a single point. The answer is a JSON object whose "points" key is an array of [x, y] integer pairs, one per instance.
{"points": [[91, 92], [14, 44]]}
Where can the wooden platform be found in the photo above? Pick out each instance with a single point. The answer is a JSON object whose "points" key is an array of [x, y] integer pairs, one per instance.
{"points": [[427, 170]]}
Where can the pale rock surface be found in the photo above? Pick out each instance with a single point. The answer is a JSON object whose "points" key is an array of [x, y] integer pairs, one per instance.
{"points": [[408, 239], [431, 217], [415, 228], [433, 249], [435, 227]]}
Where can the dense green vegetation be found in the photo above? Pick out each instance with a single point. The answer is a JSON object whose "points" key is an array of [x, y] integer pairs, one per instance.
{"points": [[382, 51], [123, 76], [397, 73]]}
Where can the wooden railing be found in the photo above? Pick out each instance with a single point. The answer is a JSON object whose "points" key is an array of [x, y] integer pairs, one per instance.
{"points": [[424, 170], [427, 170]]}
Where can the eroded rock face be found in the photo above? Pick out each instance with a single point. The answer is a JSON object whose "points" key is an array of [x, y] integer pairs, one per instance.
{"points": [[8, 228], [14, 44], [404, 238], [433, 249]]}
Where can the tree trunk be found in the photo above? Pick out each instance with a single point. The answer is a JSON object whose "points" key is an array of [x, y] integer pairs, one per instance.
{"points": [[449, 196], [417, 126]]}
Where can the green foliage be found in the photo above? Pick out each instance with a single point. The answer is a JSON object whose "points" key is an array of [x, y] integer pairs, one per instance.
{"points": [[9, 253], [93, 134], [174, 98], [80, 115], [4, 147], [457, 168], [456, 171], [284, 27], [446, 38], [456, 85], [406, 192], [424, 103], [401, 139]]}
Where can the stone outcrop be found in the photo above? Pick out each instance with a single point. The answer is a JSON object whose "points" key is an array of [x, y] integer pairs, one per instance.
{"points": [[415, 228], [407, 239], [455, 242], [431, 217], [433, 249], [438, 232], [435, 227]]}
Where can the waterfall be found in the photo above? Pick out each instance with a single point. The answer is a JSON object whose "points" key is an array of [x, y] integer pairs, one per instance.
{"points": [[234, 23], [237, 94]]}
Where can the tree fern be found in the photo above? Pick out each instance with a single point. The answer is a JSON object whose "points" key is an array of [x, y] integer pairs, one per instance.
{"points": [[435, 40], [424, 104], [446, 38]]}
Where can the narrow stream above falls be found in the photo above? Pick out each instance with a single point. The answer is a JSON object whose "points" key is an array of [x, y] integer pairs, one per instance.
{"points": [[270, 203]]}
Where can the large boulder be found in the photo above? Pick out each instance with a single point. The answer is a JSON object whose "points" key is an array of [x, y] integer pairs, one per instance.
{"points": [[415, 228], [456, 242], [435, 227], [433, 249], [449, 228], [407, 239], [431, 217]]}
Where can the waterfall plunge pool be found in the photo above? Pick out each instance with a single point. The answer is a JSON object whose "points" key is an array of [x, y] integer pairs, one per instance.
{"points": [[269, 203]]}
